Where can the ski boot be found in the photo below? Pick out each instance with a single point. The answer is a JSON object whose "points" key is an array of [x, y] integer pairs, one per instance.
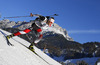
{"points": [[31, 47], [10, 36]]}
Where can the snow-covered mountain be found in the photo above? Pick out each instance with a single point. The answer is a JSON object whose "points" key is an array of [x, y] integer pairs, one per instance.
{"points": [[20, 55], [23, 25]]}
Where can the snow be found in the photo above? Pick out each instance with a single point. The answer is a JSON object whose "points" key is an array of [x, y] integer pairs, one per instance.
{"points": [[56, 31], [90, 61], [96, 46], [98, 63], [61, 58], [20, 55]]}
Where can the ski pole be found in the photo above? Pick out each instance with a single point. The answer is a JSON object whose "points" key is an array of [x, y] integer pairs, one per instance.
{"points": [[31, 15]]}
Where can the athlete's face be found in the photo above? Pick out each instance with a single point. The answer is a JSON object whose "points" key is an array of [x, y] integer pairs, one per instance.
{"points": [[50, 23]]}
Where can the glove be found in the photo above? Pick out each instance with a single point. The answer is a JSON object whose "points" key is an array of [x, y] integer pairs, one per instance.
{"points": [[10, 36]]}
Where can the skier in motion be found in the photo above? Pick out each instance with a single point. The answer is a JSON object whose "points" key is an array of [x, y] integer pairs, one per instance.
{"points": [[40, 23]]}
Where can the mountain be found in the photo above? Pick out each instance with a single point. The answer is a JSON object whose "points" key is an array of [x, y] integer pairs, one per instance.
{"points": [[20, 55]]}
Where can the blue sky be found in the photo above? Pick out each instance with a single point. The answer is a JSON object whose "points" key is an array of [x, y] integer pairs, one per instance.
{"points": [[81, 18]]}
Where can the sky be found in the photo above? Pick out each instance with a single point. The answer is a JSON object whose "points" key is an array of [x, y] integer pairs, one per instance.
{"points": [[81, 18]]}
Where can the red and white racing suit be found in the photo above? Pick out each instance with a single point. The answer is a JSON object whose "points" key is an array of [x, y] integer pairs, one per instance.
{"points": [[38, 26]]}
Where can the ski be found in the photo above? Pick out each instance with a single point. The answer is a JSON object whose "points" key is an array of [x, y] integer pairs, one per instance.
{"points": [[35, 52], [31, 51], [40, 57], [8, 42]]}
